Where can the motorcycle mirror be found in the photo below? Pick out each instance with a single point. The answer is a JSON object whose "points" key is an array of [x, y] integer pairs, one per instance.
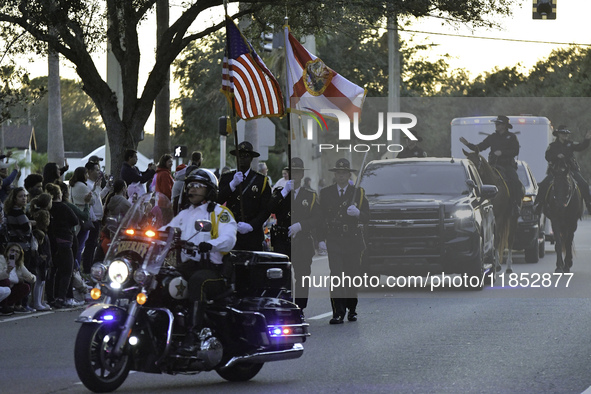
{"points": [[203, 226], [112, 223]]}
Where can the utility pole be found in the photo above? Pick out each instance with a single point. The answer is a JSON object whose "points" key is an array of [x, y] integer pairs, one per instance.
{"points": [[393, 69]]}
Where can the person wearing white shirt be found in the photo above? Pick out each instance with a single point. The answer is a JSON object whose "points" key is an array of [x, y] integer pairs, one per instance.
{"points": [[95, 177], [203, 268]]}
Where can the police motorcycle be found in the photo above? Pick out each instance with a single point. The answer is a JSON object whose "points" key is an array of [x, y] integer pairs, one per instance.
{"points": [[141, 321]]}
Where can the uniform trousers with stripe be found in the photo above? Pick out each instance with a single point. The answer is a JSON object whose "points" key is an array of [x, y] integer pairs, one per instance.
{"points": [[344, 261]]}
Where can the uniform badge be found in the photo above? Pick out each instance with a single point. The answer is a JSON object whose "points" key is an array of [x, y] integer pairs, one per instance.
{"points": [[305, 203], [225, 217], [254, 188]]}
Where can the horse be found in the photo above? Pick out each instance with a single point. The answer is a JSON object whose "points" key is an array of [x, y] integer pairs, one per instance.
{"points": [[564, 207], [505, 223]]}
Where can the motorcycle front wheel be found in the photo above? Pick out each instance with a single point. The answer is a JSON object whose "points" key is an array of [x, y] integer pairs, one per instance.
{"points": [[240, 372], [98, 369]]}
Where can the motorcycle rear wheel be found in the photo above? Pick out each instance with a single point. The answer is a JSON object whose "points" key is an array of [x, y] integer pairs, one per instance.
{"points": [[97, 368], [240, 372]]}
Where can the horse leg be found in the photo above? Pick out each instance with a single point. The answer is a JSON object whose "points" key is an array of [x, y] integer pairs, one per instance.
{"points": [[558, 248], [509, 269], [568, 244]]}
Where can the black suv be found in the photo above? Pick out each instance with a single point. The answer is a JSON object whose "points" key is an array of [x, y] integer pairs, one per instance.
{"points": [[529, 236], [428, 216]]}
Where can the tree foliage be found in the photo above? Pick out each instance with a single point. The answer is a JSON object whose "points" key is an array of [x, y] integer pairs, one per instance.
{"points": [[82, 126], [15, 91], [77, 28]]}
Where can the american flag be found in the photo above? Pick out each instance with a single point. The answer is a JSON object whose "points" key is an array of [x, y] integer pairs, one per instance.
{"points": [[246, 79]]}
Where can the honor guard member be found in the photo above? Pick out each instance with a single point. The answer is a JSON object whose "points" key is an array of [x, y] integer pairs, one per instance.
{"points": [[203, 269], [504, 147], [248, 190], [562, 148], [298, 214], [412, 148], [344, 211]]}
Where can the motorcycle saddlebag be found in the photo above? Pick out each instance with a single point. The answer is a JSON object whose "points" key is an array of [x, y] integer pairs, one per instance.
{"points": [[257, 273]]}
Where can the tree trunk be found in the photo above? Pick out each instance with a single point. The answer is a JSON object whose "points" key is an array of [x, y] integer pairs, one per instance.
{"points": [[162, 102], [55, 134]]}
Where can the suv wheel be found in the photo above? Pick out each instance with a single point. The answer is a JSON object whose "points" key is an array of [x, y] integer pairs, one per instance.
{"points": [[475, 268], [532, 252]]}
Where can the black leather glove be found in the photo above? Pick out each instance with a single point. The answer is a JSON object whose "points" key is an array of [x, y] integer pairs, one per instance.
{"points": [[205, 247]]}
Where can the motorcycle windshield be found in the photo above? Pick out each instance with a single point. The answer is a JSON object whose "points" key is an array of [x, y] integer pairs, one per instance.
{"points": [[138, 232]]}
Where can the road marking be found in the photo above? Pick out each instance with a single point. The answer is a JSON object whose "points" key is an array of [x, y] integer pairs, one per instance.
{"points": [[318, 317], [25, 317]]}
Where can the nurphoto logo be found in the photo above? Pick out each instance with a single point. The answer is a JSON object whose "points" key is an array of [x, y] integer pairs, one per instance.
{"points": [[387, 122]]}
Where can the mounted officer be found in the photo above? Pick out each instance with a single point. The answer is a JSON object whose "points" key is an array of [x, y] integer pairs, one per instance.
{"points": [[504, 147], [412, 148], [562, 148], [254, 190], [298, 214], [344, 210]]}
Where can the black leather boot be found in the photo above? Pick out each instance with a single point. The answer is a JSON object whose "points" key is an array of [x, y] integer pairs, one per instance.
{"points": [[191, 342]]}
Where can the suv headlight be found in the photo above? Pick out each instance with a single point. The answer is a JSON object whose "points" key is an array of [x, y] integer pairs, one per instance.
{"points": [[119, 271], [463, 213]]}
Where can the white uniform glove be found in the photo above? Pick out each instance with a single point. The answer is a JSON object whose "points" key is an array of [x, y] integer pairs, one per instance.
{"points": [[287, 188], [294, 229], [238, 178], [322, 246], [353, 211], [244, 228]]}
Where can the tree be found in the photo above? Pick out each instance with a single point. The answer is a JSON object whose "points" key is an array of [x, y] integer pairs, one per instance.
{"points": [[83, 129], [77, 28]]}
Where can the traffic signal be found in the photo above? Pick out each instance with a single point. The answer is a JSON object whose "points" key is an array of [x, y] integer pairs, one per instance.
{"points": [[224, 125], [544, 9], [267, 42], [180, 151]]}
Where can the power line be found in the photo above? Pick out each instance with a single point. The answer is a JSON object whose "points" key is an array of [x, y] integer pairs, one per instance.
{"points": [[493, 38]]}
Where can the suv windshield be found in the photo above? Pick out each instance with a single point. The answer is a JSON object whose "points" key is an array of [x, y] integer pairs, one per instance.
{"points": [[413, 178]]}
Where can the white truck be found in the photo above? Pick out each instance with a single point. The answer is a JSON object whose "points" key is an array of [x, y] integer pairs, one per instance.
{"points": [[533, 132]]}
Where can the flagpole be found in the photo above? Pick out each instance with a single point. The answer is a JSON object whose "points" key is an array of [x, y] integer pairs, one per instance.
{"points": [[235, 132], [287, 98]]}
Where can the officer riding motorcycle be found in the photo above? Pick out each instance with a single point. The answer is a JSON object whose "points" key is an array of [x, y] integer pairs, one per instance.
{"points": [[174, 299], [203, 270]]}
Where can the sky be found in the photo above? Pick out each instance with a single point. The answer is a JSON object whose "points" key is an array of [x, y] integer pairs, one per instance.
{"points": [[477, 55]]}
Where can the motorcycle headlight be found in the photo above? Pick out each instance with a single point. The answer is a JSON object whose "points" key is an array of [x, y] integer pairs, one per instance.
{"points": [[119, 271], [98, 271]]}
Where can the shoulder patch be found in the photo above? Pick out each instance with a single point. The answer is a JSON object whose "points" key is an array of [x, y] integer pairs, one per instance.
{"points": [[224, 217]]}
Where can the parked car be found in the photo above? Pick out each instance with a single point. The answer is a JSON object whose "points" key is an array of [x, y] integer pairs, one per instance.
{"points": [[428, 216], [529, 236]]}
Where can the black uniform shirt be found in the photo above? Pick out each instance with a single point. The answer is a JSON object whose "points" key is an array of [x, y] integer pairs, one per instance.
{"points": [[507, 143], [567, 149]]}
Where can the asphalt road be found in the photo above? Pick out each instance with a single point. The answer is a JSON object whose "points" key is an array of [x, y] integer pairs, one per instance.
{"points": [[507, 338]]}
